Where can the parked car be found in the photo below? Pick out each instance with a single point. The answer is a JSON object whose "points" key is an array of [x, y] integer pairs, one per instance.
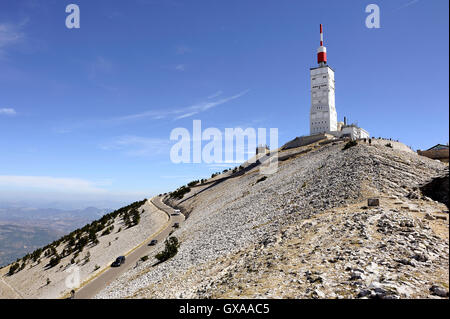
{"points": [[176, 212], [176, 225], [119, 261], [153, 242]]}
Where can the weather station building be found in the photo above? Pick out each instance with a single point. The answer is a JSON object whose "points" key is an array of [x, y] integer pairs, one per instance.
{"points": [[323, 115]]}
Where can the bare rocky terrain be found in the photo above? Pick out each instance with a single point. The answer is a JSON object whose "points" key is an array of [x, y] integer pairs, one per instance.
{"points": [[307, 232]]}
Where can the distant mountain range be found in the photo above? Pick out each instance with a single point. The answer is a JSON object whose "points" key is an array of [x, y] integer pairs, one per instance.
{"points": [[23, 229]]}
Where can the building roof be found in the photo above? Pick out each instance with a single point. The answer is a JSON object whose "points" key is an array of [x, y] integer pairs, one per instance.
{"points": [[322, 66], [438, 147]]}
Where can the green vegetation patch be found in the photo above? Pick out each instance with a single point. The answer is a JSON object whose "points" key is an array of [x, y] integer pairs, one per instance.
{"points": [[170, 250]]}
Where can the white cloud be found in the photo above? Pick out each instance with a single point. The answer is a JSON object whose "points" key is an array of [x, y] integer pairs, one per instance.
{"points": [[174, 114], [407, 5], [46, 191], [214, 95], [139, 146], [185, 115], [10, 34], [7, 111], [180, 67], [45, 183], [185, 111], [204, 106]]}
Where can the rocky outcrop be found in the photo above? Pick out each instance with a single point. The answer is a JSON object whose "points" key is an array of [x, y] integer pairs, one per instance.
{"points": [[437, 189]]}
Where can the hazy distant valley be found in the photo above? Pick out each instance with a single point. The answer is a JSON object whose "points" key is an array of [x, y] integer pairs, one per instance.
{"points": [[23, 229]]}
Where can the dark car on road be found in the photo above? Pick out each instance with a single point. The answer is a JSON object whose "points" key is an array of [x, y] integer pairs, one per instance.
{"points": [[176, 225], [153, 242], [119, 261]]}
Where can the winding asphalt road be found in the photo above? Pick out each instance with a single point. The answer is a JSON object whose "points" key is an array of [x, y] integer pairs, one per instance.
{"points": [[93, 287]]}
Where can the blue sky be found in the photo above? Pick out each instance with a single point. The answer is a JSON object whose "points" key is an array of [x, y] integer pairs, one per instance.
{"points": [[86, 114]]}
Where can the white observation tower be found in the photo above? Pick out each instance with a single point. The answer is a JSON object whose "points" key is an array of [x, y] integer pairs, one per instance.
{"points": [[323, 116]]}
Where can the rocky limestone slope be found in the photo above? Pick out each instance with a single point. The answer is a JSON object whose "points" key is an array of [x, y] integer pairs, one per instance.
{"points": [[306, 232]]}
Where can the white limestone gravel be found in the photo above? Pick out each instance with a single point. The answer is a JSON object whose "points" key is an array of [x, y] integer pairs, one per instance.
{"points": [[239, 213]]}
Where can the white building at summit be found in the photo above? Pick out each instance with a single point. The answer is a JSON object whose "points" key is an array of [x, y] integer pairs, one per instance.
{"points": [[323, 115]]}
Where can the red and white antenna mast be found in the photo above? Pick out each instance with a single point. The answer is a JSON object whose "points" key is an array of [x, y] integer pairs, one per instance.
{"points": [[321, 51]]}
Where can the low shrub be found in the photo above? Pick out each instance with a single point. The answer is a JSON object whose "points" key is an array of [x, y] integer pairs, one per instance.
{"points": [[180, 192], [261, 179], [54, 261], [13, 268], [170, 250], [193, 183], [349, 144]]}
